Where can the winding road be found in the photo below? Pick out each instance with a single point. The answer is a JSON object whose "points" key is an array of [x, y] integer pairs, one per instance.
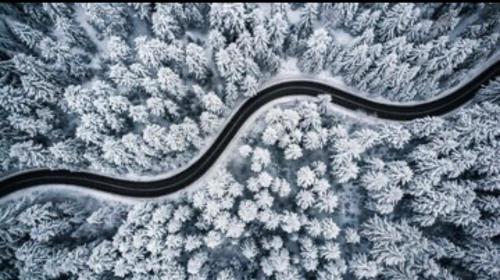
{"points": [[197, 169]]}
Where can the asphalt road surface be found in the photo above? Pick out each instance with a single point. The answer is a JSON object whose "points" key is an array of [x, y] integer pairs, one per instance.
{"points": [[189, 175]]}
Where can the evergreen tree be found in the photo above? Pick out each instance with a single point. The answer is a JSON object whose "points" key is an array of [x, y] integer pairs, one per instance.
{"points": [[318, 45], [229, 19], [397, 20], [196, 61], [25, 34], [308, 14], [165, 23], [110, 19]]}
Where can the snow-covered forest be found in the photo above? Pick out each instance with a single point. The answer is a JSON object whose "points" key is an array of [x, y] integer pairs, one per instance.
{"points": [[142, 88], [307, 192]]}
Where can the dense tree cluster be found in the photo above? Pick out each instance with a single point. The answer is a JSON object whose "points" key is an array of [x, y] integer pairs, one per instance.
{"points": [[407, 52], [136, 88], [309, 194], [213, 232], [435, 199]]}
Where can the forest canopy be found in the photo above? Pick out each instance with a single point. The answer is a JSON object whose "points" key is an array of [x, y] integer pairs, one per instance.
{"points": [[307, 192], [140, 88]]}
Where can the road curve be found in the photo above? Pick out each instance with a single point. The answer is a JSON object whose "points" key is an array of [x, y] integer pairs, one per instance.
{"points": [[189, 175]]}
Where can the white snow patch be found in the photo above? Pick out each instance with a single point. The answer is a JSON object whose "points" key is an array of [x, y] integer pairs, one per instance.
{"points": [[197, 35], [341, 37], [293, 16], [288, 66]]}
